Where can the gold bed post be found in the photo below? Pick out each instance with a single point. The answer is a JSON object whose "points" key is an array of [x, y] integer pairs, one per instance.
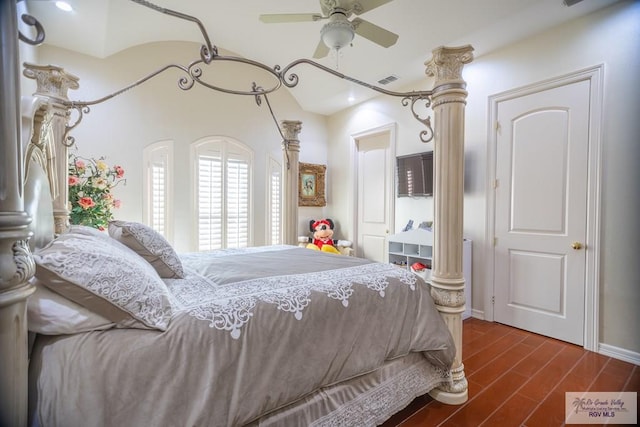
{"points": [[291, 153], [447, 280], [16, 263]]}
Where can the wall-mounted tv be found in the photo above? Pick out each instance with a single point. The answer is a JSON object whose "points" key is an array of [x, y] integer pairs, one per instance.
{"points": [[414, 175]]}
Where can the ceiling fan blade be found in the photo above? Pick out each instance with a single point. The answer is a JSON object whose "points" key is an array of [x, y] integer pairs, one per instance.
{"points": [[278, 18], [321, 50], [379, 35], [361, 6]]}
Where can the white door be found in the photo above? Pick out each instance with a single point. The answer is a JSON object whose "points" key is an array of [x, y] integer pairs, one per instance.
{"points": [[542, 147], [375, 171]]}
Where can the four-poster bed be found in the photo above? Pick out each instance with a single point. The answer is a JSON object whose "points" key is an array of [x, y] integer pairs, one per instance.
{"points": [[107, 363]]}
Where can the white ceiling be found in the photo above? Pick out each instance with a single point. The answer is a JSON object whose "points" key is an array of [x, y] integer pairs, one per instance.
{"points": [[104, 27]]}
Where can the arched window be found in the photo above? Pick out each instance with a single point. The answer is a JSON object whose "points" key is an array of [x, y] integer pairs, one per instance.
{"points": [[222, 193]]}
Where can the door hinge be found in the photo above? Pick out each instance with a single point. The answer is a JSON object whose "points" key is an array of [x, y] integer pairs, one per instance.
{"points": [[493, 299], [497, 126], [495, 183], [495, 241]]}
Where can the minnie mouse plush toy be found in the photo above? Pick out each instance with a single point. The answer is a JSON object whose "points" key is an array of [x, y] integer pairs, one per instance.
{"points": [[322, 230]]}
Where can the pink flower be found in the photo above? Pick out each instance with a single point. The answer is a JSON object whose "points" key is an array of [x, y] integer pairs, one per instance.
{"points": [[116, 203], [80, 164], [86, 202], [119, 171], [73, 180]]}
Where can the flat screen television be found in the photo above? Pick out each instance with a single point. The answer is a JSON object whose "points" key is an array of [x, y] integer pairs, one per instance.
{"points": [[414, 175]]}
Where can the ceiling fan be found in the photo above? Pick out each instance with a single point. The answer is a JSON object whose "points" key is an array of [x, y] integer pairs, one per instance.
{"points": [[340, 31]]}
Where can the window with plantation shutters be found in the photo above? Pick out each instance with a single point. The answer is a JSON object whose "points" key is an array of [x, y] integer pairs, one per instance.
{"points": [[274, 208], [209, 202], [222, 194], [157, 160], [237, 203], [158, 199]]}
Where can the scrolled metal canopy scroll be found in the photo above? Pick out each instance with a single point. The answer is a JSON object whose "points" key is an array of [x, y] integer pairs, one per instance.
{"points": [[278, 76]]}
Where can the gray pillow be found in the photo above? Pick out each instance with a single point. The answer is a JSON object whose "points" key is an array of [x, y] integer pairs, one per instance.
{"points": [[49, 313], [105, 277], [150, 245]]}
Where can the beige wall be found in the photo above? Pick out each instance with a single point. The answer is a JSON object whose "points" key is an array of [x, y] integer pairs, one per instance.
{"points": [[610, 37], [159, 110]]}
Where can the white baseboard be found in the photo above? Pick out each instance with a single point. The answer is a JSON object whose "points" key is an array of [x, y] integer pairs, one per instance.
{"points": [[477, 314], [619, 353]]}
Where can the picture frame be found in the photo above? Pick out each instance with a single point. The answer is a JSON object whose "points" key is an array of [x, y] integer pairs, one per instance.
{"points": [[311, 185]]}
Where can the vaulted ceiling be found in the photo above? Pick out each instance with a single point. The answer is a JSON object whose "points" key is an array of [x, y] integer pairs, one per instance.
{"points": [[102, 28]]}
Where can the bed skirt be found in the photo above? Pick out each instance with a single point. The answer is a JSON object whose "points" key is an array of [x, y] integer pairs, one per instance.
{"points": [[367, 400]]}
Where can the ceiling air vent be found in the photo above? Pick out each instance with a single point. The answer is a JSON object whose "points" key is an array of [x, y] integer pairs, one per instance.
{"points": [[388, 79]]}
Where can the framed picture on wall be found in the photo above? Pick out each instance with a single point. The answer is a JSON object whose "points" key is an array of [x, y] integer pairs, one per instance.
{"points": [[311, 185]]}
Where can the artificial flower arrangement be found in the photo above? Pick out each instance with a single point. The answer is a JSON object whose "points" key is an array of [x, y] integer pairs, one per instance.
{"points": [[90, 185]]}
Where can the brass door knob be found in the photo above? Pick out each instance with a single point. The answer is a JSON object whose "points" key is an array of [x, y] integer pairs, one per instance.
{"points": [[576, 245]]}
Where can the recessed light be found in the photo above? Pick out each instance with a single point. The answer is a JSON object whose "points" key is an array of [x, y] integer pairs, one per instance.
{"points": [[63, 5]]}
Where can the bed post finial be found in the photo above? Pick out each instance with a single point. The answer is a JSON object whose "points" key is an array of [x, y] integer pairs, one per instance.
{"points": [[291, 150], [53, 84], [447, 280]]}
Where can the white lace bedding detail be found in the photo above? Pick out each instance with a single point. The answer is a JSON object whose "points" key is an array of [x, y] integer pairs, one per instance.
{"points": [[231, 306]]}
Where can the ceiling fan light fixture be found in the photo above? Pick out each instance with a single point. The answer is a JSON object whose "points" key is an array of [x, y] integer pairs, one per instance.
{"points": [[337, 33]]}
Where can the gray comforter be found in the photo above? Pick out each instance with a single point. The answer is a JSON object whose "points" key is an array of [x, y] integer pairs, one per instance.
{"points": [[252, 330]]}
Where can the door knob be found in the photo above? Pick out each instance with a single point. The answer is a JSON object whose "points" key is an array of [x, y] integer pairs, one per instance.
{"points": [[576, 245]]}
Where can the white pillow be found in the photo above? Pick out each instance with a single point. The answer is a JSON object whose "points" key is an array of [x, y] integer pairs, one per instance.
{"points": [[105, 277], [150, 245], [51, 314]]}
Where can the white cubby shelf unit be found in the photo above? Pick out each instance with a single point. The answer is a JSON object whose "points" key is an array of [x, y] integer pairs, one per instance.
{"points": [[409, 247]]}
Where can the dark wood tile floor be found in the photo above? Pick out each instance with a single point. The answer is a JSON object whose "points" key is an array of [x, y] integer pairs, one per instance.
{"points": [[517, 378]]}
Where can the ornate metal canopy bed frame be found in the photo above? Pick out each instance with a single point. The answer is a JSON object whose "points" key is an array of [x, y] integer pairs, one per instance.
{"points": [[33, 191]]}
